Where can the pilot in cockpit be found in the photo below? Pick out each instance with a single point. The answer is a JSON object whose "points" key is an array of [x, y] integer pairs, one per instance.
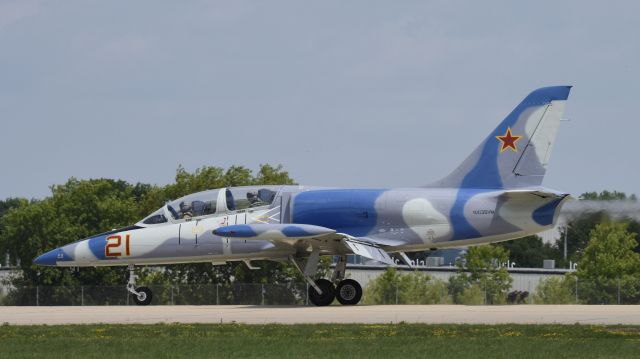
{"points": [[254, 200], [185, 211]]}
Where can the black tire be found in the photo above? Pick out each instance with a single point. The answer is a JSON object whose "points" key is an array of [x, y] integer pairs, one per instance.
{"points": [[349, 292], [144, 296], [327, 296]]}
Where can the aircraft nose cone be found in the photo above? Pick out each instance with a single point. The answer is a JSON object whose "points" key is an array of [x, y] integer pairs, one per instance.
{"points": [[48, 259]]}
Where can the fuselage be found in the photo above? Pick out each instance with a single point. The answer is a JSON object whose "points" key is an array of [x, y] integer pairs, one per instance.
{"points": [[405, 219]]}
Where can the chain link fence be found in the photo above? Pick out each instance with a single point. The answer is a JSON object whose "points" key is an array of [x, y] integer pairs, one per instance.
{"points": [[549, 291], [194, 294]]}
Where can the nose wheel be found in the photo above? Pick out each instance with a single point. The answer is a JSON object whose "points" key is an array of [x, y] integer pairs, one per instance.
{"points": [[141, 295]]}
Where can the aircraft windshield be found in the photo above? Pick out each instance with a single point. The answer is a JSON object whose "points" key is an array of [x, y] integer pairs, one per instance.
{"points": [[194, 205], [249, 197], [155, 217]]}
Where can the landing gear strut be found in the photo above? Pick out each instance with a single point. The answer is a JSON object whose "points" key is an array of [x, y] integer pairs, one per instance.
{"points": [[141, 295], [348, 291], [322, 292]]}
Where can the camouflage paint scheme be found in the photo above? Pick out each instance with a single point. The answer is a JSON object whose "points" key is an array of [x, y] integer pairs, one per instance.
{"points": [[494, 195]]}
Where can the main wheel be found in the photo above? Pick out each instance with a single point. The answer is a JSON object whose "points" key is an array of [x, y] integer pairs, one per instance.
{"points": [[144, 296], [348, 292], [327, 296]]}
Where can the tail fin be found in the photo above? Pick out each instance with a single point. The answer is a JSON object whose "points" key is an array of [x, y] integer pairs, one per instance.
{"points": [[517, 152]]}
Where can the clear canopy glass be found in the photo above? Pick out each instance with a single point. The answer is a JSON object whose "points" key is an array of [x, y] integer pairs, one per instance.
{"points": [[206, 203], [194, 205], [239, 198]]}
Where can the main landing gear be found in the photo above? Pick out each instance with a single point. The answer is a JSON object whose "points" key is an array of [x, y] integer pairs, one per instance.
{"points": [[348, 292], [327, 294], [322, 292], [140, 295]]}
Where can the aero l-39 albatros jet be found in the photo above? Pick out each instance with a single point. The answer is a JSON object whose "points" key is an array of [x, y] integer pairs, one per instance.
{"points": [[494, 195]]}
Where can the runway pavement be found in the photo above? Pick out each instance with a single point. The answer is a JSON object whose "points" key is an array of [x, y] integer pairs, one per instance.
{"points": [[525, 314]]}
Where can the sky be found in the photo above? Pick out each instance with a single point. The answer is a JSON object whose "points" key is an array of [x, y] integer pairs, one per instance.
{"points": [[341, 93]]}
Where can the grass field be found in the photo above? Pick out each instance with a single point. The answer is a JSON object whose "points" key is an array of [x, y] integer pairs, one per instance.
{"points": [[321, 340]]}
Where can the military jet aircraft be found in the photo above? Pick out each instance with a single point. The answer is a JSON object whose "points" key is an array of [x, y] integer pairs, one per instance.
{"points": [[494, 195]]}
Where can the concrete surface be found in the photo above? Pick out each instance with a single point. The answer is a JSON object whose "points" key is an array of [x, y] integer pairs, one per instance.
{"points": [[534, 314]]}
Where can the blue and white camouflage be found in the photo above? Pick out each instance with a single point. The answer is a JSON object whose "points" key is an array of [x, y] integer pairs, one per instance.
{"points": [[494, 195]]}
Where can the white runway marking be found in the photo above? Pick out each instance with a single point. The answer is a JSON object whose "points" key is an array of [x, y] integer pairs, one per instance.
{"points": [[435, 314]]}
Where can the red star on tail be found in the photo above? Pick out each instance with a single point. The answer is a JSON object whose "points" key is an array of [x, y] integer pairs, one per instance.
{"points": [[508, 141]]}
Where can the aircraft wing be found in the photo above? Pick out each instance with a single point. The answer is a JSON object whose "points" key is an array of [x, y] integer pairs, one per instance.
{"points": [[304, 235]]}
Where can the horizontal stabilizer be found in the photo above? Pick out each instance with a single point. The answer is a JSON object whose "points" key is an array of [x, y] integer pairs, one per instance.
{"points": [[368, 251], [275, 231], [538, 193]]}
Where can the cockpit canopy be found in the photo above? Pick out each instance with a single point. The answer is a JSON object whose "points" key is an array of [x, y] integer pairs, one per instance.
{"points": [[214, 201]]}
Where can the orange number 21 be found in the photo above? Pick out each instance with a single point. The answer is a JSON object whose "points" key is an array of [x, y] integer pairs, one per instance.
{"points": [[112, 249]]}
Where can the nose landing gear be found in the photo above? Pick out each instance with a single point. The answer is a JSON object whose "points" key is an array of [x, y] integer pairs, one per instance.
{"points": [[141, 295]]}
